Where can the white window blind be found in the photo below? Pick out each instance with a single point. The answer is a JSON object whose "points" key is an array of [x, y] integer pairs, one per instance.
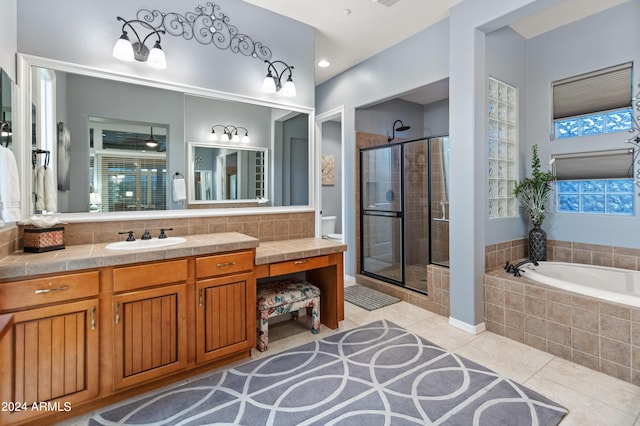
{"points": [[127, 183], [613, 164], [596, 91]]}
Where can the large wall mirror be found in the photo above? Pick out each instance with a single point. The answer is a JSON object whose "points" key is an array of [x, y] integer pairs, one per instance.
{"points": [[6, 119], [91, 128]]}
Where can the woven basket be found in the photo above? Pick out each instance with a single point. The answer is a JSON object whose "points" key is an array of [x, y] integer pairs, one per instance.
{"points": [[37, 240]]}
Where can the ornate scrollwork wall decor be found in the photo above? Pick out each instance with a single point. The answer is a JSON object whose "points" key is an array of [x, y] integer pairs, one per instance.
{"points": [[635, 138], [207, 25]]}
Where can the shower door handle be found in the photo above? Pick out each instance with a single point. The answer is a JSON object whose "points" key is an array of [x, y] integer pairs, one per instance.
{"points": [[382, 213]]}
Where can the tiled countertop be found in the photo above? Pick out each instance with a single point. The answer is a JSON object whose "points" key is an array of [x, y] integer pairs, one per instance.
{"points": [[279, 251], [20, 264]]}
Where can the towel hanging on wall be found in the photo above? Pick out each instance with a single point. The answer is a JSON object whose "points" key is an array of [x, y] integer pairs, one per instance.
{"points": [[9, 187], [179, 188]]}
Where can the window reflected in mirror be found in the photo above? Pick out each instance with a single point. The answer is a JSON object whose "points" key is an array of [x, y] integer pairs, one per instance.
{"points": [[127, 165]]}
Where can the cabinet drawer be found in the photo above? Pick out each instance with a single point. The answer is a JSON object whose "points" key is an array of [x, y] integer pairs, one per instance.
{"points": [[298, 265], [224, 264], [41, 291], [149, 275]]}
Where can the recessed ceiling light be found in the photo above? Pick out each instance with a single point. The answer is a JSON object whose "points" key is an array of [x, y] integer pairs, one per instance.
{"points": [[323, 63], [346, 12]]}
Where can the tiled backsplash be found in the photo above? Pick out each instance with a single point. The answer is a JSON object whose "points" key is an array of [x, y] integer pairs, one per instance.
{"points": [[266, 227]]}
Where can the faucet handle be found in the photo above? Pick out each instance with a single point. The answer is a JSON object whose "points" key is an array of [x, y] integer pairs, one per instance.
{"points": [[130, 237], [508, 267], [162, 234], [146, 235]]}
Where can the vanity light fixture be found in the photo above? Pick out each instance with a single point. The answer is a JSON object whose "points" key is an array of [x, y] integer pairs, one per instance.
{"points": [[126, 51], [273, 81], [230, 133]]}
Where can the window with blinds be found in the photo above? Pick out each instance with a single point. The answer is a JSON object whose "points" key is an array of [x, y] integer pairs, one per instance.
{"points": [[599, 182], [130, 183], [593, 103]]}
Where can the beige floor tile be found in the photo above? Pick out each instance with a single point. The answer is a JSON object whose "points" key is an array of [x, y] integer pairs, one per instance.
{"points": [[507, 357], [583, 410], [437, 330], [593, 384]]}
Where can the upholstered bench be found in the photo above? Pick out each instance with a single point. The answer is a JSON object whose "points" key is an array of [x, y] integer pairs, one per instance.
{"points": [[283, 296]]}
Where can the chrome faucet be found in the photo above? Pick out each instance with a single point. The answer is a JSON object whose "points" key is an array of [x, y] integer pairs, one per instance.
{"points": [[515, 269]]}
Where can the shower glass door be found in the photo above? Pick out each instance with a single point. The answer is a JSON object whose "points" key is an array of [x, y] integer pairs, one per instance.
{"points": [[381, 213]]}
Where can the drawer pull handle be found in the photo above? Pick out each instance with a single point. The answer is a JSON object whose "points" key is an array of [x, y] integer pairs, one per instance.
{"points": [[222, 265], [200, 298], [93, 317], [117, 313], [300, 262], [49, 290]]}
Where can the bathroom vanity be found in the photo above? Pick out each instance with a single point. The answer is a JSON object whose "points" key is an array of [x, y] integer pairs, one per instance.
{"points": [[91, 326]]}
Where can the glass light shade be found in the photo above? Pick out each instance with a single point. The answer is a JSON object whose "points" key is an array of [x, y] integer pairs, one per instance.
{"points": [[156, 58], [269, 84], [123, 49], [235, 138], [213, 136], [245, 139], [225, 137], [289, 89]]}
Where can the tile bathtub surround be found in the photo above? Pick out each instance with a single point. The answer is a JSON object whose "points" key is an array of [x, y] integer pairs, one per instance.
{"points": [[268, 227], [600, 335], [564, 251]]}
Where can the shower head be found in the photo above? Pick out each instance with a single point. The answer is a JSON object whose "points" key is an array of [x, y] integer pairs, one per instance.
{"points": [[400, 128]]}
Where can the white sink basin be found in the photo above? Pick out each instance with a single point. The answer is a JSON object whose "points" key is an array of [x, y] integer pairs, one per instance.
{"points": [[145, 244]]}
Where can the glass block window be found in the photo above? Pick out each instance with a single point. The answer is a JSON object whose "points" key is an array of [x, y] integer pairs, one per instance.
{"points": [[593, 103], [594, 124], [502, 143], [596, 196]]}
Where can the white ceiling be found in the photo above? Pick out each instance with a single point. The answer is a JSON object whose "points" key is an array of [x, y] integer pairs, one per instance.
{"points": [[371, 26]]}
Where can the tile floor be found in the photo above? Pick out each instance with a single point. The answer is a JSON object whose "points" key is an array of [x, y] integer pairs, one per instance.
{"points": [[592, 398]]}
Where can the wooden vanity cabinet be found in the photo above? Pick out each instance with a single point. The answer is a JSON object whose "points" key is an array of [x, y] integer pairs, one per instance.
{"points": [[50, 355], [226, 300], [149, 321]]}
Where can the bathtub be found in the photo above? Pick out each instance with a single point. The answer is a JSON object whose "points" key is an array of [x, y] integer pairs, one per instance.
{"points": [[611, 284]]}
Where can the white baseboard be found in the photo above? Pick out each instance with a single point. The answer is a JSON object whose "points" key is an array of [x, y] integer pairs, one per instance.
{"points": [[472, 329]]}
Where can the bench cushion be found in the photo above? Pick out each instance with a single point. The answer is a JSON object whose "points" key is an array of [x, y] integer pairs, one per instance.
{"points": [[284, 292]]}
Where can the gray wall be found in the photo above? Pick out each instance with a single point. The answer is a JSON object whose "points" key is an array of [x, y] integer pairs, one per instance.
{"points": [[8, 37], [84, 33], [436, 118], [332, 194], [596, 42], [379, 119]]}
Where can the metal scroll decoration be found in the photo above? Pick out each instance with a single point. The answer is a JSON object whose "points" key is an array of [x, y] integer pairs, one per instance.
{"points": [[207, 25], [635, 131]]}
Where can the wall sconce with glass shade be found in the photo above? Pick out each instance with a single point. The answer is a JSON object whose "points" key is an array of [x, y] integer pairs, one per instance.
{"points": [[273, 81], [127, 51], [229, 134]]}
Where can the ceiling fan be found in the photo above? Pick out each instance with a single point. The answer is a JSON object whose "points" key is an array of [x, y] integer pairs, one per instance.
{"points": [[150, 141]]}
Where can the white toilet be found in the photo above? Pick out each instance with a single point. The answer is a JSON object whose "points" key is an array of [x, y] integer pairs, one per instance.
{"points": [[329, 228]]}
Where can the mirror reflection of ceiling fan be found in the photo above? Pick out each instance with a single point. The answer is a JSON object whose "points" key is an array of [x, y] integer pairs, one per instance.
{"points": [[151, 141]]}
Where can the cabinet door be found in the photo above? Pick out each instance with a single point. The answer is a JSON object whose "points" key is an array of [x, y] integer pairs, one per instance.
{"points": [[226, 316], [149, 334], [50, 359]]}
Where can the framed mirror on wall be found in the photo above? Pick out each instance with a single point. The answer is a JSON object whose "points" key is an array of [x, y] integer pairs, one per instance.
{"points": [[6, 110], [223, 175], [84, 99]]}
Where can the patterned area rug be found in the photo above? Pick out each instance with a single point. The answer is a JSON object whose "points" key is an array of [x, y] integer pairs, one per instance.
{"points": [[372, 375], [368, 298]]}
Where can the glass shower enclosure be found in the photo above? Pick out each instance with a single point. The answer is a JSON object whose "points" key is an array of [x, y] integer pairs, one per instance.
{"points": [[399, 216]]}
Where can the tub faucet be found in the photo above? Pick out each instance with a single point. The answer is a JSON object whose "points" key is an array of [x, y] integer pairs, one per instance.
{"points": [[516, 268], [146, 235]]}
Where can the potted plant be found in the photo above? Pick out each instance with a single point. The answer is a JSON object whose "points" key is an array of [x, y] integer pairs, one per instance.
{"points": [[533, 193]]}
